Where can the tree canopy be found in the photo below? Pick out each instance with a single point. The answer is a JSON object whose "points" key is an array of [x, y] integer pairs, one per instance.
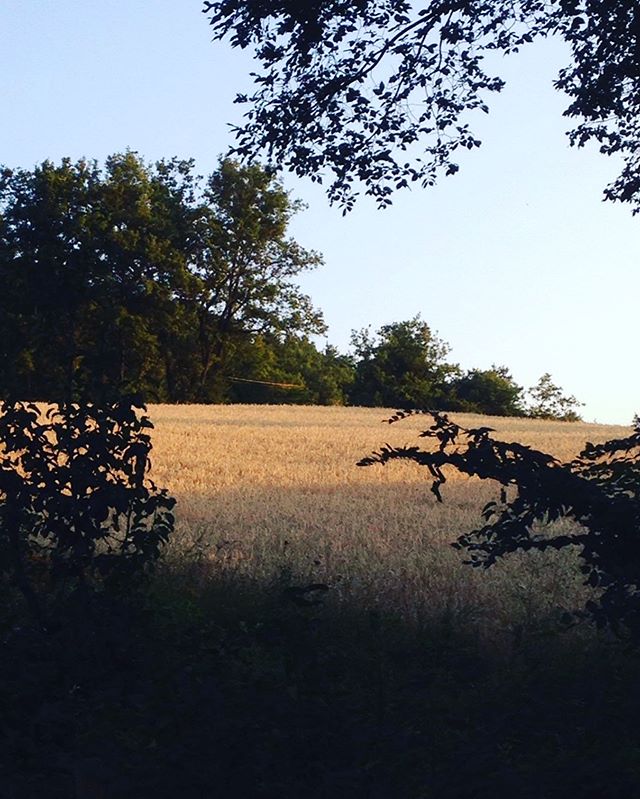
{"points": [[144, 278], [402, 366], [380, 92], [147, 279], [491, 391], [405, 365], [546, 401]]}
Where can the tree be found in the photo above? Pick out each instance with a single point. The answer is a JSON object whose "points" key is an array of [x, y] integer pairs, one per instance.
{"points": [[351, 86], [91, 263], [599, 491], [45, 274], [76, 504], [140, 278], [402, 366], [546, 401], [331, 377], [290, 369], [247, 266], [140, 229], [491, 391]]}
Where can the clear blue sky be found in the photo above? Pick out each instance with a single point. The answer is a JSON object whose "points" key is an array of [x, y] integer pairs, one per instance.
{"points": [[516, 260]]}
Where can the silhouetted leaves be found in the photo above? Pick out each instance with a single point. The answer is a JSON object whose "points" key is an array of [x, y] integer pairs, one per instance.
{"points": [[379, 92], [599, 490], [77, 508]]}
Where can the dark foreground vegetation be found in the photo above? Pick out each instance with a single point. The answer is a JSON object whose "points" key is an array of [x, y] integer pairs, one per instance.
{"points": [[125, 675], [234, 690]]}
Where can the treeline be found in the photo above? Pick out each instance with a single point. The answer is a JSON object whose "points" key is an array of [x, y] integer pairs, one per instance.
{"points": [[140, 278], [404, 365], [149, 279]]}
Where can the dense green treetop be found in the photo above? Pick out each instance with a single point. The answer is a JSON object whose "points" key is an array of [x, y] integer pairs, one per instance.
{"points": [[491, 391], [137, 277], [403, 365]]}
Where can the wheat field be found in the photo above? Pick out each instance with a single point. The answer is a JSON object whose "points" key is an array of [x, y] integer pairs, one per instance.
{"points": [[268, 493]]}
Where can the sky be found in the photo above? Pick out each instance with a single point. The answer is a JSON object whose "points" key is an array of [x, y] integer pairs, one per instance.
{"points": [[516, 260]]}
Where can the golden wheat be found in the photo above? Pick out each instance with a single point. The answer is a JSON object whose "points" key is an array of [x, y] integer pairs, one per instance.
{"points": [[266, 490]]}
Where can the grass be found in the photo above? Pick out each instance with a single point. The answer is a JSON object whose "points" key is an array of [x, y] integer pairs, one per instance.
{"points": [[269, 489], [414, 676]]}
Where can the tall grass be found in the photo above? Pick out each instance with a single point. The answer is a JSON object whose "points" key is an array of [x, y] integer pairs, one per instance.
{"points": [[267, 491]]}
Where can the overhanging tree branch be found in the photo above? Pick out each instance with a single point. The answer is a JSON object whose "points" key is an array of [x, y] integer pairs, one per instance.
{"points": [[312, 113]]}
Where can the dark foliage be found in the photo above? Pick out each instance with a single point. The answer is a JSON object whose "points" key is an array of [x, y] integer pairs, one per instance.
{"points": [[599, 490], [358, 88], [492, 391], [403, 365], [77, 509], [230, 692], [140, 278]]}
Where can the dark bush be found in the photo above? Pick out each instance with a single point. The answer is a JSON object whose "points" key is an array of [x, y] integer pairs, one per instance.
{"points": [[77, 509], [490, 391]]}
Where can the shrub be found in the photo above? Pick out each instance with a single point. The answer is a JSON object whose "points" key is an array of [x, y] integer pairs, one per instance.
{"points": [[77, 509]]}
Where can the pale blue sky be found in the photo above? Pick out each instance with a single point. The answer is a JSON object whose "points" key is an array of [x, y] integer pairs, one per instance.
{"points": [[516, 260]]}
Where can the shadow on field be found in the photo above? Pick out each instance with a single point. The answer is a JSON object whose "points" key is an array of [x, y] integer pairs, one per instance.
{"points": [[237, 689]]}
